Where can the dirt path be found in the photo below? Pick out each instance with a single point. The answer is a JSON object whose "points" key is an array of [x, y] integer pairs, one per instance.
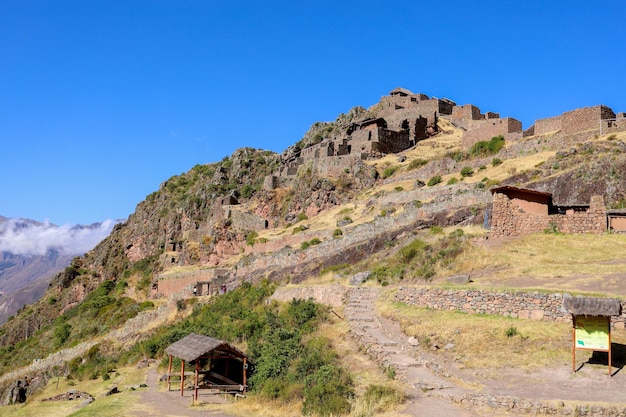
{"points": [[157, 402]]}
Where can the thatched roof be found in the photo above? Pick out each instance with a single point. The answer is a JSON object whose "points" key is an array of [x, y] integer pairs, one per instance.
{"points": [[506, 189], [191, 347], [588, 306]]}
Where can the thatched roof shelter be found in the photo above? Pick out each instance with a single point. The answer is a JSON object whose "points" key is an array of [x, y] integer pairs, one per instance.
{"points": [[227, 365], [193, 346], [589, 306]]}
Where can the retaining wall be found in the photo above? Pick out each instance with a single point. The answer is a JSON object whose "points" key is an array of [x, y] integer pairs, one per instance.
{"points": [[523, 305]]}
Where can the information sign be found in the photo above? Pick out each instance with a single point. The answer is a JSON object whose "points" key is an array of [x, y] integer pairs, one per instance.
{"points": [[592, 332]]}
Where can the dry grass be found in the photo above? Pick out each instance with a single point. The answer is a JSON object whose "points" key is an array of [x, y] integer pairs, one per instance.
{"points": [[548, 256], [481, 341]]}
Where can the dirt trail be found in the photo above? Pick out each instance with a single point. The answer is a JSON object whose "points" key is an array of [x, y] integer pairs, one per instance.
{"points": [[155, 402]]}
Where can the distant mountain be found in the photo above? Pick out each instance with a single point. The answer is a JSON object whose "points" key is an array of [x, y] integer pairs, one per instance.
{"points": [[32, 253]]}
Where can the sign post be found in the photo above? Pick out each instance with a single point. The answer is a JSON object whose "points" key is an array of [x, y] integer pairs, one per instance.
{"points": [[591, 333]]}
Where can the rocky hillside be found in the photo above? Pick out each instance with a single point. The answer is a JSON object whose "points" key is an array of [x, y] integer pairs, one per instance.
{"points": [[239, 216]]}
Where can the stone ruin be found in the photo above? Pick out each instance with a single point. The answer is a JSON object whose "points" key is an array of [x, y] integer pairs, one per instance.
{"points": [[519, 211], [404, 118]]}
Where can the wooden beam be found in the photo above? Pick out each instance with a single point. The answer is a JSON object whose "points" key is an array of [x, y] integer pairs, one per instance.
{"points": [[245, 368], [608, 319], [182, 377], [573, 343], [195, 382], [169, 371]]}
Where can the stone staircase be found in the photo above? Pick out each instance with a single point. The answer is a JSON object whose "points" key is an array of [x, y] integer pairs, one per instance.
{"points": [[385, 344]]}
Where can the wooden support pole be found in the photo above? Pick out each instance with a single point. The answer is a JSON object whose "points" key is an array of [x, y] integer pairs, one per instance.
{"points": [[245, 369], [169, 371], [610, 351], [573, 343], [182, 377], [195, 382]]}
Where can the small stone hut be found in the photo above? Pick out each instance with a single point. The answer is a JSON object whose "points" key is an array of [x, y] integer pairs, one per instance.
{"points": [[520, 211]]}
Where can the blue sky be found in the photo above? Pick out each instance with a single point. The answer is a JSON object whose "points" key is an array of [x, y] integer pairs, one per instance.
{"points": [[101, 101]]}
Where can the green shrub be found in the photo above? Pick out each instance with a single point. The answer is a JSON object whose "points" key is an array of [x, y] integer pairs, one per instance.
{"points": [[490, 147], [398, 189], [298, 229], [452, 181], [337, 233], [496, 161], [434, 180], [417, 163], [301, 217], [389, 171], [251, 237], [62, 333], [436, 230], [304, 245], [467, 172], [327, 392], [511, 331], [315, 241]]}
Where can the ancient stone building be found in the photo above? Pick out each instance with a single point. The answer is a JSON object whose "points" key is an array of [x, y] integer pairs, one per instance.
{"points": [[404, 118], [580, 120], [518, 211]]}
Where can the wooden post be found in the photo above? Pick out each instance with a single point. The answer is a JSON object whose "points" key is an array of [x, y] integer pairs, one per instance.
{"points": [[169, 371], [610, 351], [573, 343], [195, 383], [245, 366], [182, 377]]}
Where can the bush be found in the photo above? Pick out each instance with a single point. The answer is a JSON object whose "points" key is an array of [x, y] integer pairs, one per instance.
{"points": [[251, 238], [337, 233], [62, 333], [327, 392], [496, 161], [416, 163], [511, 331], [301, 217], [434, 180], [304, 245], [389, 171], [467, 172], [490, 147], [452, 181]]}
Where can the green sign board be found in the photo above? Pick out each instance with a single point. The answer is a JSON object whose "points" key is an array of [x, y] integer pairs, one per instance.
{"points": [[592, 332]]}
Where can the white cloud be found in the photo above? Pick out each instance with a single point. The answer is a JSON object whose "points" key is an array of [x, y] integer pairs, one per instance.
{"points": [[24, 238]]}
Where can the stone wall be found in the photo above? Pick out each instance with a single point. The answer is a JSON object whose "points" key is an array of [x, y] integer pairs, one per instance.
{"points": [[522, 305], [587, 118], [508, 127], [180, 285], [332, 295], [509, 219], [548, 125], [245, 221], [390, 141]]}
